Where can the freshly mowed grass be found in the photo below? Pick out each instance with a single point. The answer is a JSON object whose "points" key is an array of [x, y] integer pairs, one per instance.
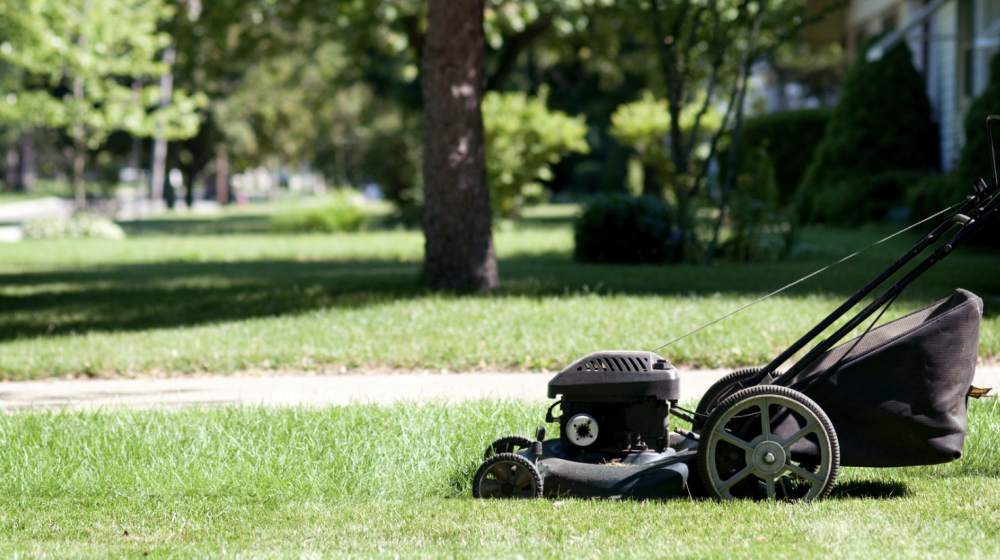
{"points": [[224, 303], [364, 481]]}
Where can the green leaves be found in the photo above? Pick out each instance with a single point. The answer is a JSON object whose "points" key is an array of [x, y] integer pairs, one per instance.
{"points": [[78, 60], [523, 139]]}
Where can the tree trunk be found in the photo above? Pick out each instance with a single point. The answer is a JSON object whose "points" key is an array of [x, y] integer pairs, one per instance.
{"points": [[189, 189], [651, 186], [158, 180], [222, 177], [457, 227], [11, 170], [29, 169], [79, 151]]}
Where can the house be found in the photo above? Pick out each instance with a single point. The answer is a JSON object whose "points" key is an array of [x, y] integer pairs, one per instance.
{"points": [[952, 42]]}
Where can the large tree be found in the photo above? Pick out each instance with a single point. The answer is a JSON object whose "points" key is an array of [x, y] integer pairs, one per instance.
{"points": [[459, 240]]}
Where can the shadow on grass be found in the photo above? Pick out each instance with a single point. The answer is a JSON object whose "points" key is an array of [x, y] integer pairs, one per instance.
{"points": [[171, 294], [872, 489]]}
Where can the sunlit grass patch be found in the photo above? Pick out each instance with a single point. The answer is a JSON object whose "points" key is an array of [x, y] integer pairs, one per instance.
{"points": [[376, 481], [224, 303]]}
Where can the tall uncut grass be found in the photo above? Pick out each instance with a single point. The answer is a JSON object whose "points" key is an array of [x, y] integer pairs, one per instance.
{"points": [[379, 481]]}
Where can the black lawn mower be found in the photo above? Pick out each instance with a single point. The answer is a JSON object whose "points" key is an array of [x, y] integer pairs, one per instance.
{"points": [[895, 396]]}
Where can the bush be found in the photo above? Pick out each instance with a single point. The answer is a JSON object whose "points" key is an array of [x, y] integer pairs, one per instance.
{"points": [[340, 215], [523, 140], [976, 163], [933, 194], [790, 138], [863, 199], [77, 226], [752, 208], [881, 124], [623, 229]]}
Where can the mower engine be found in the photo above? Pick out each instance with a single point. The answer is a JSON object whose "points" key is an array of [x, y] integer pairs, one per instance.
{"points": [[615, 404], [614, 441]]}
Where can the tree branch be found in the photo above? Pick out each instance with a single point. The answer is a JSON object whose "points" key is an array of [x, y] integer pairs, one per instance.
{"points": [[666, 47], [513, 48]]}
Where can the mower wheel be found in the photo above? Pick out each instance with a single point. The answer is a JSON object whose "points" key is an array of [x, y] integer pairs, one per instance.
{"points": [[746, 447], [507, 476], [718, 393], [507, 444]]}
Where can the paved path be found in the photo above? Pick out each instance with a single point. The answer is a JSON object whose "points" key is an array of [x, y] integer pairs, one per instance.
{"points": [[316, 390], [50, 207]]}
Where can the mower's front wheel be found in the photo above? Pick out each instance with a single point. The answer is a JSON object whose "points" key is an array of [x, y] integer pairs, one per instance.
{"points": [[507, 476], [768, 442]]}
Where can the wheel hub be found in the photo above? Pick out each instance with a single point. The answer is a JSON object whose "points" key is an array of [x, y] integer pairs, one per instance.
{"points": [[507, 488], [769, 457]]}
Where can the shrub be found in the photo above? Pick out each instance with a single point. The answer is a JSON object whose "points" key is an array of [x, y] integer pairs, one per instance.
{"points": [[790, 139], [857, 200], [933, 194], [752, 209], [77, 226], [976, 163], [339, 215], [623, 229], [523, 140], [881, 124]]}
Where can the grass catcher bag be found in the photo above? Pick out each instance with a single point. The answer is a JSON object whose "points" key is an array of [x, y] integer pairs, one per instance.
{"points": [[897, 395]]}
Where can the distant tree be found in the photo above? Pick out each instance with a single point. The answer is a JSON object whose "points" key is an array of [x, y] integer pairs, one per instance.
{"points": [[79, 60], [459, 240]]}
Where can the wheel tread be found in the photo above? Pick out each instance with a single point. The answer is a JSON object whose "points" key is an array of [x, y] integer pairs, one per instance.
{"points": [[777, 390]]}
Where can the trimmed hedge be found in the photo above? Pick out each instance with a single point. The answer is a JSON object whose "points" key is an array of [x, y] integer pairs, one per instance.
{"points": [[933, 194], [623, 229], [790, 138], [858, 200]]}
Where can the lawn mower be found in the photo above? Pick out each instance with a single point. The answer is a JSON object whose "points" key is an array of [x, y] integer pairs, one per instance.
{"points": [[895, 396]]}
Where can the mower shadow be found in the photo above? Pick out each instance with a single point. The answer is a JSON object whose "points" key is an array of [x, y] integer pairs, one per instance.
{"points": [[871, 489], [170, 294]]}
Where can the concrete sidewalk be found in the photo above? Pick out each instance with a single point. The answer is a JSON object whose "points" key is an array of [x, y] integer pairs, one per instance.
{"points": [[318, 390]]}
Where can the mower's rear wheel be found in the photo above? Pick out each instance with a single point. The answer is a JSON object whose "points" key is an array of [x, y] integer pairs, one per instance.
{"points": [[718, 393], [507, 444], [507, 476], [741, 456]]}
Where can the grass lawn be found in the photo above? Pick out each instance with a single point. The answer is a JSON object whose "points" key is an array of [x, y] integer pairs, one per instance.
{"points": [[226, 302], [366, 481]]}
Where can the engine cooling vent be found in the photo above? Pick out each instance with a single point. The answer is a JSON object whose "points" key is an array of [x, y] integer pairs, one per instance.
{"points": [[615, 363]]}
